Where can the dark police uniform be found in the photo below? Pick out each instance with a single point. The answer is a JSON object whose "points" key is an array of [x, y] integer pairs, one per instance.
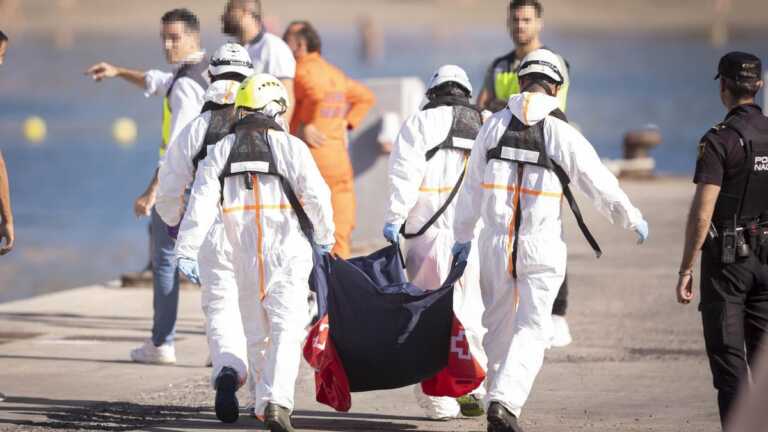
{"points": [[734, 296]]}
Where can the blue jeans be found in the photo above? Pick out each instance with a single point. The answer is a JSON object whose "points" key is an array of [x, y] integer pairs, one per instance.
{"points": [[165, 280]]}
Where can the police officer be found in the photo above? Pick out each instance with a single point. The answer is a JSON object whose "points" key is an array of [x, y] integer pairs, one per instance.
{"points": [[729, 222]]}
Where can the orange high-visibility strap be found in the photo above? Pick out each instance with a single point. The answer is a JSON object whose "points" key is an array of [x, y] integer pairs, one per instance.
{"points": [[245, 208], [512, 188], [259, 236]]}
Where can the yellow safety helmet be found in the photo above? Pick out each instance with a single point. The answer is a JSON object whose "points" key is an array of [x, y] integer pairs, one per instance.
{"points": [[259, 90]]}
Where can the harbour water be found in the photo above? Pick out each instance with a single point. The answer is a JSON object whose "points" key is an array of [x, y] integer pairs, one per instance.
{"points": [[73, 193]]}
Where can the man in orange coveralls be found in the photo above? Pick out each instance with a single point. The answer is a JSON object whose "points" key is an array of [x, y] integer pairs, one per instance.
{"points": [[328, 104]]}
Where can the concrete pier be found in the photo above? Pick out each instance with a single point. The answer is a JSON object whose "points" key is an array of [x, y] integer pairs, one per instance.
{"points": [[637, 362]]}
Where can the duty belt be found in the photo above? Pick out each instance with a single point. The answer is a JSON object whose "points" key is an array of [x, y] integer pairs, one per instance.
{"points": [[739, 240]]}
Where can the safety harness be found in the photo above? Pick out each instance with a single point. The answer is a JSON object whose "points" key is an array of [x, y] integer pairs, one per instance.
{"points": [[466, 124], [525, 145], [220, 125], [252, 155]]}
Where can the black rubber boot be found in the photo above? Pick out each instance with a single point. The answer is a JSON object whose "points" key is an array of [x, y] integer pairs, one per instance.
{"points": [[501, 420], [227, 406], [277, 418]]}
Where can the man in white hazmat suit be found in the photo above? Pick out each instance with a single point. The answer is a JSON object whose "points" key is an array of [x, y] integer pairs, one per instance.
{"points": [[258, 174], [426, 170], [518, 174], [229, 66]]}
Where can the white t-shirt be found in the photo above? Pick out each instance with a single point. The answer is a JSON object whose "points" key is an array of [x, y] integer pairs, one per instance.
{"points": [[271, 55]]}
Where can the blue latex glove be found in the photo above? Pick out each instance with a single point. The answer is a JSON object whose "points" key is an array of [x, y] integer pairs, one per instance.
{"points": [[190, 269], [641, 229], [460, 251], [325, 249], [392, 233]]}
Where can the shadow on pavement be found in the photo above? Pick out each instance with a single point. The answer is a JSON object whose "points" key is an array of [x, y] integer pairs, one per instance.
{"points": [[89, 415], [123, 416], [330, 424]]}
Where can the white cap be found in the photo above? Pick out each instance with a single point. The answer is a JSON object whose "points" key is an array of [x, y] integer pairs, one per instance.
{"points": [[449, 73], [544, 62], [231, 57]]}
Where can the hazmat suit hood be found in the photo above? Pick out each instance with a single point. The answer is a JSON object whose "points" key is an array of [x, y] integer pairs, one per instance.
{"points": [[222, 92], [531, 108]]}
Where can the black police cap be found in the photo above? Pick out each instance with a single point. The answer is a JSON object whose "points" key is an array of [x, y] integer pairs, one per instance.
{"points": [[739, 66]]}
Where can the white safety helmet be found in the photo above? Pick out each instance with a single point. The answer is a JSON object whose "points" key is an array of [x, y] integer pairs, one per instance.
{"points": [[542, 61], [450, 73], [231, 57]]}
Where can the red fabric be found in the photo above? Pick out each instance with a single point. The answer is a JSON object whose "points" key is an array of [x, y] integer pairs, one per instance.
{"points": [[463, 373], [331, 384]]}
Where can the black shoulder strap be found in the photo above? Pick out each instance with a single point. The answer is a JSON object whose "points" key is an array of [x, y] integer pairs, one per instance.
{"points": [[432, 152], [304, 222], [565, 182], [559, 114], [439, 212]]}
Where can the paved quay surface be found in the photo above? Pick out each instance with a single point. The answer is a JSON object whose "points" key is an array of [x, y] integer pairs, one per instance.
{"points": [[637, 362]]}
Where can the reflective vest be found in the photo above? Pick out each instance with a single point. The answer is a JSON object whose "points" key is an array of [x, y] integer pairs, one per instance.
{"points": [[506, 82], [467, 122], [195, 71], [220, 125], [744, 197], [524, 145], [252, 156]]}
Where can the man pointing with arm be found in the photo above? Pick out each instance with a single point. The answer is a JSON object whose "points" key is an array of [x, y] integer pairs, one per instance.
{"points": [[183, 92]]}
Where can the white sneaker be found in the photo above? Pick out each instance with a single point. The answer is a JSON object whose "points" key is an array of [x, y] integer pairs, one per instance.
{"points": [[150, 354], [561, 334], [437, 408]]}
